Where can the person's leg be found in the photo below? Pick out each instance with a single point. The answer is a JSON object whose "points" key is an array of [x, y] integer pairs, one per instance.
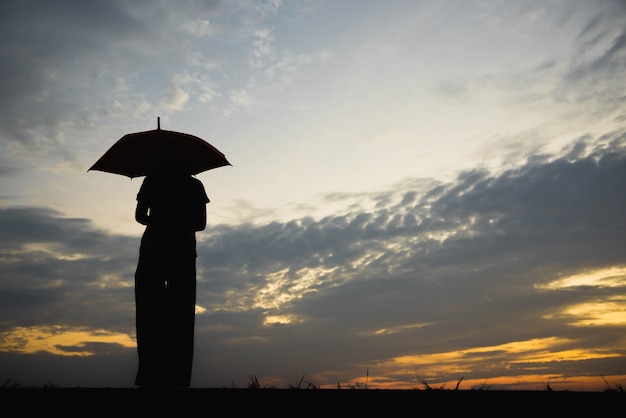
{"points": [[181, 306], [149, 307]]}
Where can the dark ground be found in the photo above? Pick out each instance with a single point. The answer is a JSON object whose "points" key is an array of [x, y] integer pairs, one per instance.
{"points": [[105, 402]]}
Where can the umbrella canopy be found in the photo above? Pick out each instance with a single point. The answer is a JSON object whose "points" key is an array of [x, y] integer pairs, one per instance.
{"points": [[159, 152]]}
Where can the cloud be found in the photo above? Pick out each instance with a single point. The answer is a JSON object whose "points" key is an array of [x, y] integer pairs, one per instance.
{"points": [[484, 261], [464, 258], [63, 270], [64, 62], [241, 99], [262, 48], [43, 43], [199, 27], [63, 340], [7, 168], [175, 97], [594, 70]]}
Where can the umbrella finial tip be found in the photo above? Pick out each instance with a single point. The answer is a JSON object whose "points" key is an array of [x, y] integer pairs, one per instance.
{"points": [[158, 122]]}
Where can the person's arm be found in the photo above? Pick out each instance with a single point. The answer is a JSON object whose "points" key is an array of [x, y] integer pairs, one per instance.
{"points": [[141, 213], [201, 219]]}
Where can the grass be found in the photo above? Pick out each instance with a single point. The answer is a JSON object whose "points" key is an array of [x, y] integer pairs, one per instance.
{"points": [[357, 385], [447, 401], [253, 383], [251, 400], [618, 387], [10, 384], [305, 383], [428, 386]]}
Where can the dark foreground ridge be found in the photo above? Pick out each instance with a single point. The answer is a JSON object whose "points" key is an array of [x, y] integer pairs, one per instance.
{"points": [[112, 402]]}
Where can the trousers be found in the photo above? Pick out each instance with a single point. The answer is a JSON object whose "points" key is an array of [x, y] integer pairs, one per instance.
{"points": [[165, 299]]}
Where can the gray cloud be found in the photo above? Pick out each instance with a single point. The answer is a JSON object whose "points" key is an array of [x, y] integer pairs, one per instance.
{"points": [[498, 237], [445, 268], [68, 65], [43, 43], [62, 61], [54, 270], [594, 71], [501, 235]]}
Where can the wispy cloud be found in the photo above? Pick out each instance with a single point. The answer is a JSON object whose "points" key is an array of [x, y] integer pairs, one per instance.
{"points": [[482, 276], [199, 28]]}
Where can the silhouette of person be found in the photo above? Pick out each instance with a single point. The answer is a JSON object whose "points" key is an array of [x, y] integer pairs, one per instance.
{"points": [[173, 208]]}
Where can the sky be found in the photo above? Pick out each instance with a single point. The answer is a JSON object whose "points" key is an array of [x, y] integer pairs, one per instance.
{"points": [[420, 191]]}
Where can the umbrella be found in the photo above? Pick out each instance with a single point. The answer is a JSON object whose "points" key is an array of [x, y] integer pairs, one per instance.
{"points": [[159, 151]]}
